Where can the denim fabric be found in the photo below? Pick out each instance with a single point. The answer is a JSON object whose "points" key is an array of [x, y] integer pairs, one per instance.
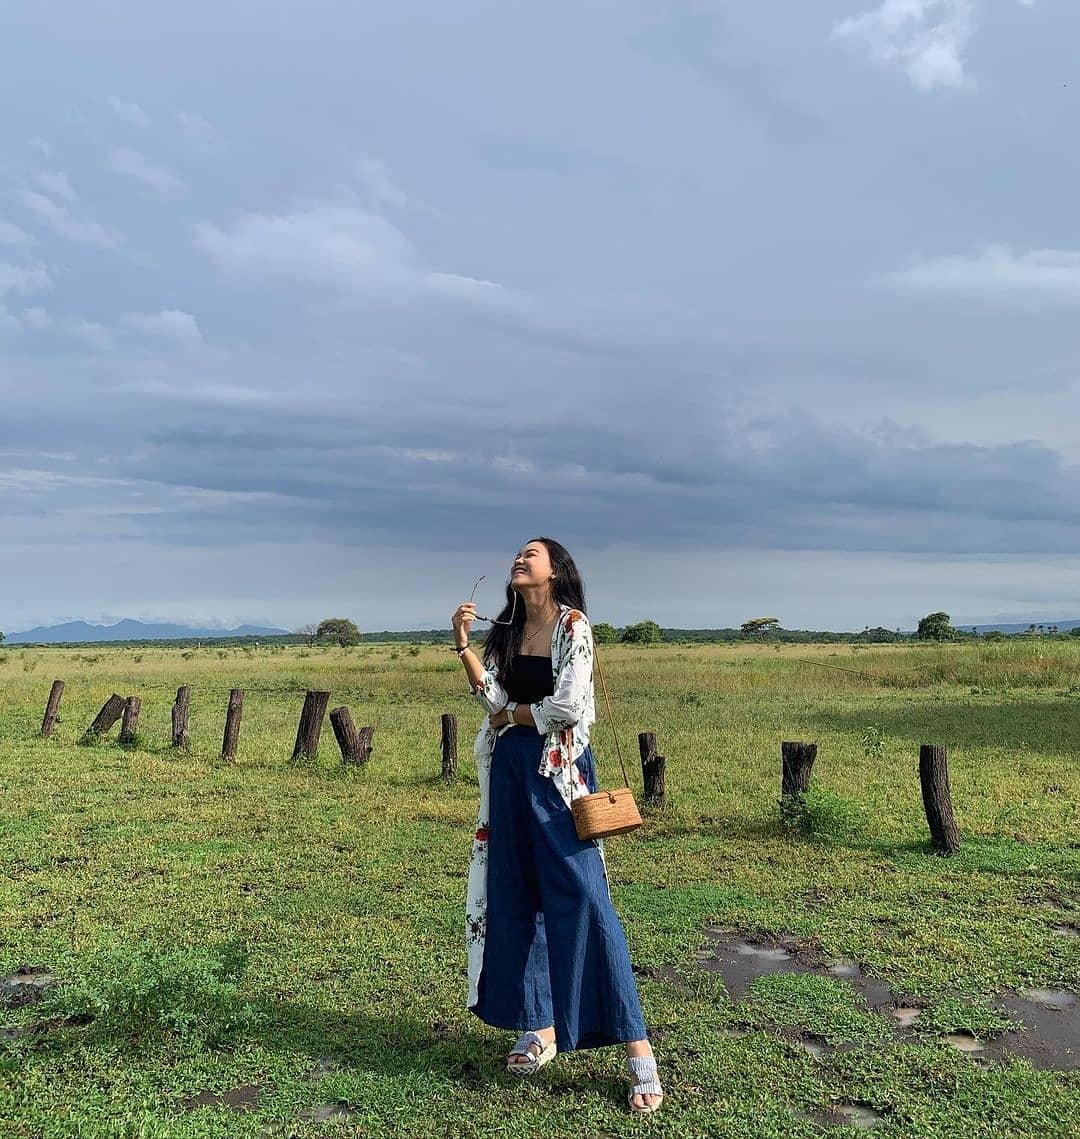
{"points": [[555, 951]]}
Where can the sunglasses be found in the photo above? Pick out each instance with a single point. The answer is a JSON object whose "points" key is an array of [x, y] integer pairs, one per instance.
{"points": [[494, 620]]}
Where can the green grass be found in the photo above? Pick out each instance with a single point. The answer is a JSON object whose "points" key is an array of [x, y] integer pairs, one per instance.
{"points": [[299, 927]]}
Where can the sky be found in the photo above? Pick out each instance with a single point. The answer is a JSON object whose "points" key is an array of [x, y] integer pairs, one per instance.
{"points": [[325, 308]]}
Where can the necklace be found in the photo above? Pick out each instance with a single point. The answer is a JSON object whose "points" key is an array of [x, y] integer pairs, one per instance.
{"points": [[535, 631]]}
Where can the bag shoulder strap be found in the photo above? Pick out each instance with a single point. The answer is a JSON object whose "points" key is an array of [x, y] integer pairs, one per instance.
{"points": [[611, 718]]}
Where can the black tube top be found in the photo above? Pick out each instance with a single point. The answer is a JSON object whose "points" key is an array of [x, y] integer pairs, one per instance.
{"points": [[530, 679]]}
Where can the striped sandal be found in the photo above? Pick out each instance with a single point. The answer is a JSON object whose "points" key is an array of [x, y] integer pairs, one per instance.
{"points": [[647, 1080], [534, 1063]]}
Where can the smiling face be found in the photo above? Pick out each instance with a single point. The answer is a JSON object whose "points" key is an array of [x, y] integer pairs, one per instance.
{"points": [[532, 567]]}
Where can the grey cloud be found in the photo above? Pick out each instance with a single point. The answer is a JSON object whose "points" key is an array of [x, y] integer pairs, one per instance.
{"points": [[199, 128], [1037, 277], [58, 217], [12, 234], [374, 177], [57, 184], [23, 279], [697, 36], [172, 324], [785, 484], [131, 112], [132, 164]]}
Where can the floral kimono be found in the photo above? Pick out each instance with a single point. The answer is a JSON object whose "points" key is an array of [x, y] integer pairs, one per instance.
{"points": [[564, 719]]}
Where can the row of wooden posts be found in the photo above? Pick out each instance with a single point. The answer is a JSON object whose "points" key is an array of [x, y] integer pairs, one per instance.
{"points": [[797, 758], [356, 745]]}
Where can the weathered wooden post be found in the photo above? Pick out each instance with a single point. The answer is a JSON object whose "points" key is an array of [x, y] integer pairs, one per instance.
{"points": [[309, 729], [798, 758], [130, 726], [346, 734], [449, 747], [937, 800], [232, 724], [52, 709], [111, 711], [366, 734], [180, 710], [652, 769]]}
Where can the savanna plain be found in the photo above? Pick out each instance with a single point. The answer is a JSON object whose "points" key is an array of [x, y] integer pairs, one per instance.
{"points": [[269, 948]]}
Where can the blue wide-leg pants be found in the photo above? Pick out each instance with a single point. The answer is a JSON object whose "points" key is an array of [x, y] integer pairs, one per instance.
{"points": [[555, 952]]}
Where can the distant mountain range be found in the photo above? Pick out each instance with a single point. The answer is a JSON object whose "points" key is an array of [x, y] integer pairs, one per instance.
{"points": [[130, 630], [992, 627]]}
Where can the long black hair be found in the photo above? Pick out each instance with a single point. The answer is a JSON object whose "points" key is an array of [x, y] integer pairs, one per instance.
{"points": [[503, 642]]}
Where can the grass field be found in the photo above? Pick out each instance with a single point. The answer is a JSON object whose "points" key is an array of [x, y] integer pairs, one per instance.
{"points": [[297, 931]]}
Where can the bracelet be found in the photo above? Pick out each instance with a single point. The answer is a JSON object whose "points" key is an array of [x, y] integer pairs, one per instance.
{"points": [[462, 649]]}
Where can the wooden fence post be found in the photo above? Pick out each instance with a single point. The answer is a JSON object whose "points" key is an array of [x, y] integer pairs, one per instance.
{"points": [[111, 711], [52, 709], [449, 747], [366, 745], [232, 724], [130, 726], [798, 758], [937, 800], [309, 729], [652, 769], [180, 710], [347, 736]]}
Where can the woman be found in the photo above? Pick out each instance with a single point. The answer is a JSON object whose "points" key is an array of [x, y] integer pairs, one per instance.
{"points": [[547, 953]]}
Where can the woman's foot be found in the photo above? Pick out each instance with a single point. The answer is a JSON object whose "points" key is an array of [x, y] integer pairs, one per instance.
{"points": [[528, 1055], [645, 1077]]}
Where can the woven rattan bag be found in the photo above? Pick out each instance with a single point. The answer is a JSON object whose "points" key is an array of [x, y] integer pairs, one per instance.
{"points": [[606, 813]]}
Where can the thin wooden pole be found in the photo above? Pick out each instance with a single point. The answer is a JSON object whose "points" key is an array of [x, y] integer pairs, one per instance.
{"points": [[652, 770], [449, 747], [232, 724]]}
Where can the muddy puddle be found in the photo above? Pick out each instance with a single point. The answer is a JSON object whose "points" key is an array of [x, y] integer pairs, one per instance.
{"points": [[27, 985], [1046, 1022], [859, 1115], [243, 1098]]}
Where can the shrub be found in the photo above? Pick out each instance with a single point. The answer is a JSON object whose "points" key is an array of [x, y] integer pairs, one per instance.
{"points": [[189, 993], [826, 817], [873, 742]]}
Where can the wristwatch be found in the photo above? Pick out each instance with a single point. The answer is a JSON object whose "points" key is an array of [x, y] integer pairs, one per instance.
{"points": [[509, 710]]}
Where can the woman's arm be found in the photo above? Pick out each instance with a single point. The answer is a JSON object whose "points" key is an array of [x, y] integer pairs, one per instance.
{"points": [[482, 681], [566, 705]]}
